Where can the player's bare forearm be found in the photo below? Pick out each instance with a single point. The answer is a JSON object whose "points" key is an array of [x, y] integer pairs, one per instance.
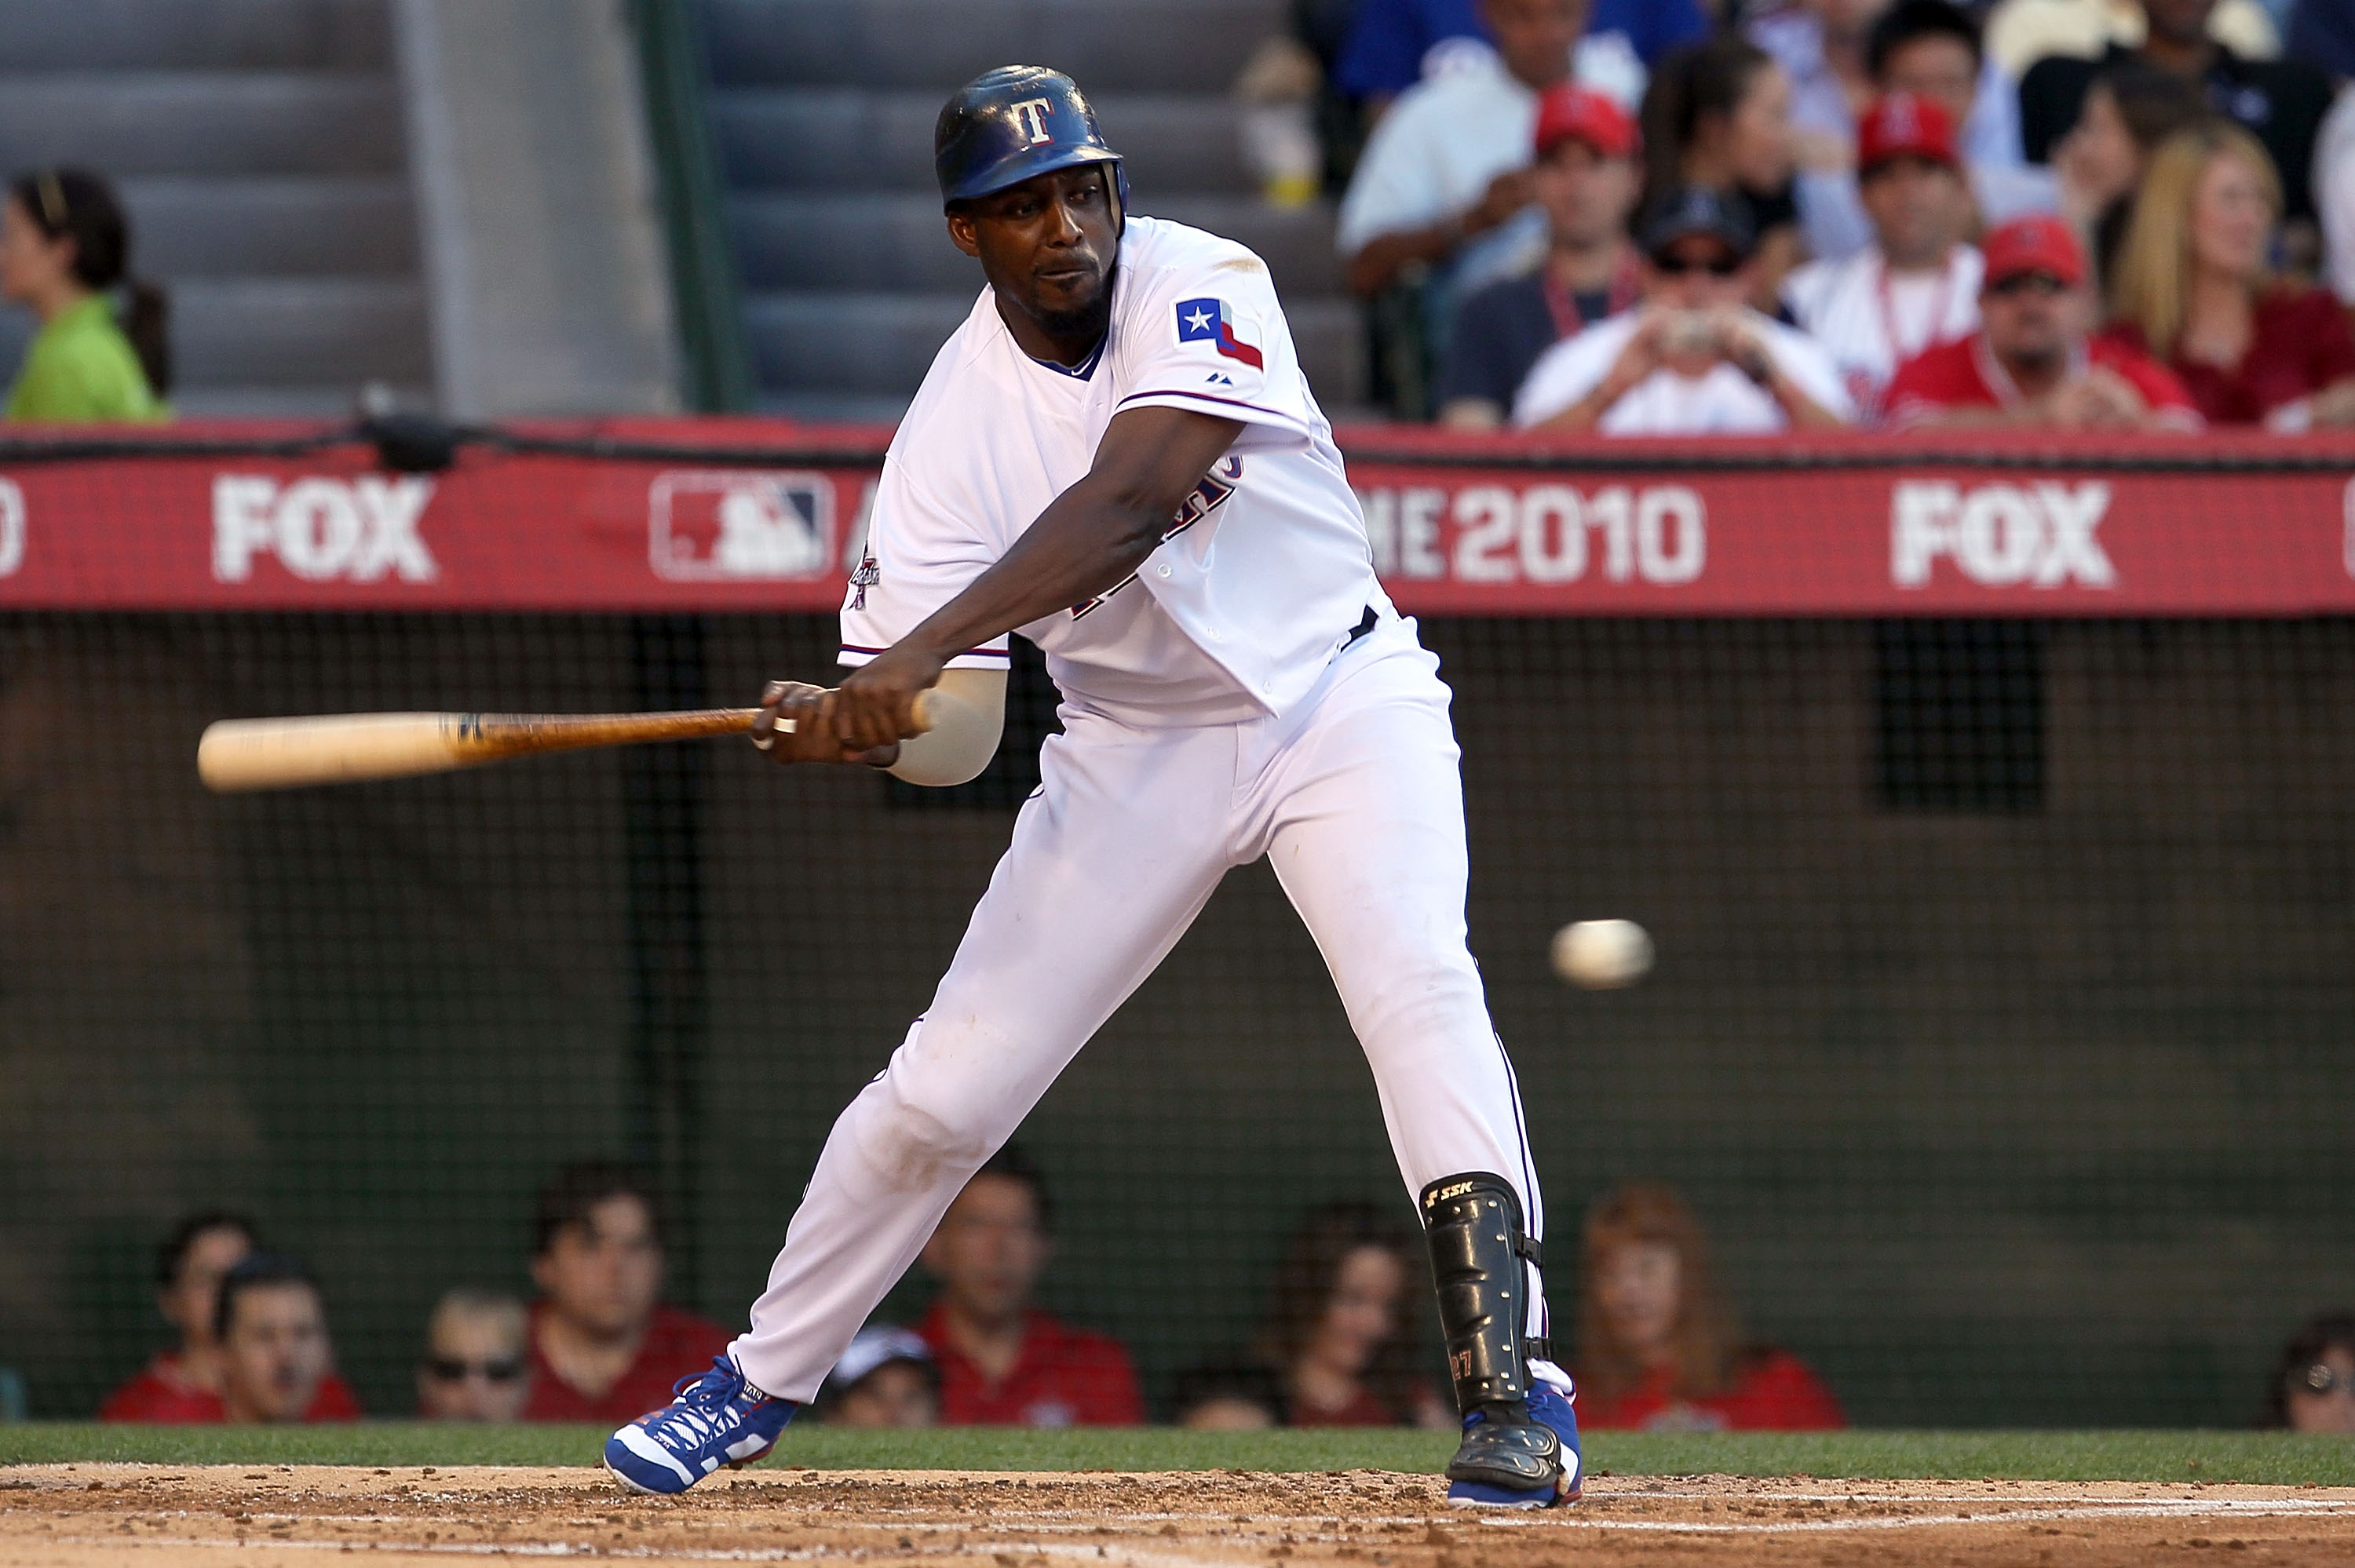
{"points": [[1089, 539]]}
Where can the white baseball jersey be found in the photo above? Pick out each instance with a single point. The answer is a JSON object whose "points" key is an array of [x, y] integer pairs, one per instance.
{"points": [[1266, 569], [1721, 401], [1872, 320]]}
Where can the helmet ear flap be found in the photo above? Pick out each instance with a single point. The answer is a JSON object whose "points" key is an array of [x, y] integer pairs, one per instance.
{"points": [[1118, 181]]}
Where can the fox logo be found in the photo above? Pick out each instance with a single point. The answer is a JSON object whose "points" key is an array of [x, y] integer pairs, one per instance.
{"points": [[321, 529]]}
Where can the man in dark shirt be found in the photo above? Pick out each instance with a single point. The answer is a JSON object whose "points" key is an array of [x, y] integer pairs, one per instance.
{"points": [[1587, 180], [1003, 1362], [2280, 102]]}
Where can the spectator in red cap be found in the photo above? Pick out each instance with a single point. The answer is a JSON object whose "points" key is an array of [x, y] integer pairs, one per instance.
{"points": [[1917, 284], [2191, 283], [2032, 362], [1931, 49], [1586, 179], [1695, 360]]}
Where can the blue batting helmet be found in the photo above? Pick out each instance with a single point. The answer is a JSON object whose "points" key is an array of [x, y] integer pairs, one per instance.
{"points": [[1008, 124]]}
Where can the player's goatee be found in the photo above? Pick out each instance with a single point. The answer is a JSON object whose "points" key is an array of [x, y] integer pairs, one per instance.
{"points": [[1090, 321]]}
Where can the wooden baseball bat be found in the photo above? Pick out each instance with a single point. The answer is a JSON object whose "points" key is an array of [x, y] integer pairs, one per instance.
{"points": [[238, 755]]}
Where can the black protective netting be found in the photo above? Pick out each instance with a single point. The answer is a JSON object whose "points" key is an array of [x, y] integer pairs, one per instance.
{"points": [[2001, 1031]]}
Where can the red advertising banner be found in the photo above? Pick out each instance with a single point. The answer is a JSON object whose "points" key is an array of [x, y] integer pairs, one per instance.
{"points": [[756, 515]]}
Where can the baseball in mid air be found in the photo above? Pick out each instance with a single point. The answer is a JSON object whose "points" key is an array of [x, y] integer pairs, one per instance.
{"points": [[1601, 954]]}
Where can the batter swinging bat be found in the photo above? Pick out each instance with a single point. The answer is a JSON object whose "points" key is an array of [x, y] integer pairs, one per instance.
{"points": [[343, 748]]}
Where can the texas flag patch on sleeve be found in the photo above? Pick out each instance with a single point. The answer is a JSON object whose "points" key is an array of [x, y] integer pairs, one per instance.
{"points": [[1209, 321]]}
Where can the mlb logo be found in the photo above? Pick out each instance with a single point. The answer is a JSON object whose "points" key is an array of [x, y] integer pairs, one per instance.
{"points": [[736, 525]]}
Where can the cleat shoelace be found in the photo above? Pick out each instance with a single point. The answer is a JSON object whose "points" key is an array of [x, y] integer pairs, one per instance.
{"points": [[706, 1407]]}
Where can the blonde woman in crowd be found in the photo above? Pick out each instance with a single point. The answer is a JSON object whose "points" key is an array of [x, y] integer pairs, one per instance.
{"points": [[2194, 286]]}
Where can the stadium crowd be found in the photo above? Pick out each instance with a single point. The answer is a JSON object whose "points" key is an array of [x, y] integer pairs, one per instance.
{"points": [[1710, 216], [1659, 1345], [1885, 213]]}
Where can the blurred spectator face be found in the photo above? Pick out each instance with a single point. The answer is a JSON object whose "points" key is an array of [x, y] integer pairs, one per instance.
{"points": [[1919, 208], [1936, 66], [1758, 144], [2033, 319], [1697, 272], [274, 1353], [897, 1393], [2231, 219], [990, 1248], [2102, 154], [189, 1301], [1587, 196], [1534, 38], [475, 1368], [1846, 18], [2321, 1397], [33, 265], [2182, 23], [1363, 1312], [606, 1273], [1639, 1286]]}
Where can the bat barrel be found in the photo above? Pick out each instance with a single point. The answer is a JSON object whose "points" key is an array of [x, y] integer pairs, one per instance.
{"points": [[240, 755]]}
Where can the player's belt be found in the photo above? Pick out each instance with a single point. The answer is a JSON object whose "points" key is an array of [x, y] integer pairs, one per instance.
{"points": [[1370, 622]]}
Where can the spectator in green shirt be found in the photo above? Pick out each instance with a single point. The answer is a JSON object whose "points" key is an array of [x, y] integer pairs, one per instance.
{"points": [[64, 247]]}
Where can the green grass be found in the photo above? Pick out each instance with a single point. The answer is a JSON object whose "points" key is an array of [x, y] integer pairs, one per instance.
{"points": [[2274, 1458]]}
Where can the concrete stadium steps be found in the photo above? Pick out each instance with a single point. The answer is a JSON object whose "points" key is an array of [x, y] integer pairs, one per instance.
{"points": [[260, 147], [301, 332], [822, 115], [826, 240], [297, 226], [204, 122], [283, 346], [195, 35], [843, 138], [1153, 46], [879, 345]]}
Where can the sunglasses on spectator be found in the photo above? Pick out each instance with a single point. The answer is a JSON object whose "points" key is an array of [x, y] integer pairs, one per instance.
{"points": [[2022, 282], [449, 1369], [2322, 1378], [1724, 264]]}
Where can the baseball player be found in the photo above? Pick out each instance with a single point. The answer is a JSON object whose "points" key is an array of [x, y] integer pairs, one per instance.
{"points": [[1117, 456]]}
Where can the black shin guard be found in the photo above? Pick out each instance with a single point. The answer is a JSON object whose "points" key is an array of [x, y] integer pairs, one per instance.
{"points": [[1478, 1246]]}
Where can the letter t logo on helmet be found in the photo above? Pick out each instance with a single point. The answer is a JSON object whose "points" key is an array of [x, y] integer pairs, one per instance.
{"points": [[1010, 124]]}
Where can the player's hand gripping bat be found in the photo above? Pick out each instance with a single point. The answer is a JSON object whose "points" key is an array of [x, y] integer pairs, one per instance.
{"points": [[238, 755]]}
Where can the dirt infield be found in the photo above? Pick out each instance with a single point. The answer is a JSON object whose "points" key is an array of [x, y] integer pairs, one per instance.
{"points": [[89, 1515]]}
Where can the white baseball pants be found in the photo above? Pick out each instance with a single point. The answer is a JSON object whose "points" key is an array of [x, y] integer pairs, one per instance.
{"points": [[1354, 795]]}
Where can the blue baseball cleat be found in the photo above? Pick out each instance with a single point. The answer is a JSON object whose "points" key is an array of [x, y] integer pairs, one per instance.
{"points": [[716, 1419], [1542, 1456]]}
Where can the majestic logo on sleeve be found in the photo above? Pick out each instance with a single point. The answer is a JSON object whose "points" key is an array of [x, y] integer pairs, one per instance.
{"points": [[1210, 322], [865, 578]]}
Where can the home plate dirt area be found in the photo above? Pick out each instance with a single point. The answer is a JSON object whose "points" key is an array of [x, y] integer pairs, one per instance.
{"points": [[83, 1515]]}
